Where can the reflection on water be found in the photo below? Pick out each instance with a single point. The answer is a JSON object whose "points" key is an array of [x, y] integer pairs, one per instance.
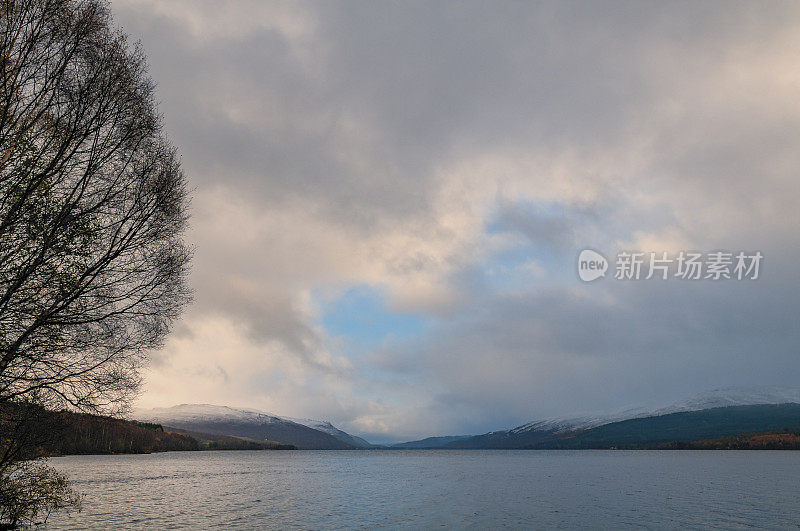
{"points": [[424, 489]]}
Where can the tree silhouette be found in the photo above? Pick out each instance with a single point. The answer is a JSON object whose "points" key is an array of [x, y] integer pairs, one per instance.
{"points": [[92, 208]]}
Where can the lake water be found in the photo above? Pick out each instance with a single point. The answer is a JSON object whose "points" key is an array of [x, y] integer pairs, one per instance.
{"points": [[422, 489]]}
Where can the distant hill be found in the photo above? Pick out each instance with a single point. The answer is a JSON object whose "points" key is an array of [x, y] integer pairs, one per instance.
{"points": [[429, 442], [632, 427], [688, 426], [330, 429], [256, 425], [540, 431], [507, 439], [648, 432], [69, 433]]}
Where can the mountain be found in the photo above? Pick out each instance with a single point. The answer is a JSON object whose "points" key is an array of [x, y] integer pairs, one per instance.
{"points": [[430, 442], [561, 424], [539, 431], [330, 429], [733, 396], [223, 420], [552, 433], [671, 430], [510, 439], [678, 429]]}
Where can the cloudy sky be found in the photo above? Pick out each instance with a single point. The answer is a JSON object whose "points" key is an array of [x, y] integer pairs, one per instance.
{"points": [[389, 199]]}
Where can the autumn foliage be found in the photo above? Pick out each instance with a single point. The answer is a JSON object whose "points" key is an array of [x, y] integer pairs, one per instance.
{"points": [[773, 440]]}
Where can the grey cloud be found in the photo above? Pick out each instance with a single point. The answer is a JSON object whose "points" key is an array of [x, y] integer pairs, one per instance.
{"points": [[353, 122], [427, 81], [650, 342]]}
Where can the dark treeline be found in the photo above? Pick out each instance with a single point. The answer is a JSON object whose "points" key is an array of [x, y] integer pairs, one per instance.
{"points": [[67, 433], [92, 434], [210, 441]]}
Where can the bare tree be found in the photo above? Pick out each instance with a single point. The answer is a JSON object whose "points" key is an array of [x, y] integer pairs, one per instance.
{"points": [[92, 207], [31, 492]]}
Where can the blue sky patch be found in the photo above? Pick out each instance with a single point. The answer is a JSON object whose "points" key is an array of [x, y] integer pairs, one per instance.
{"points": [[361, 315]]}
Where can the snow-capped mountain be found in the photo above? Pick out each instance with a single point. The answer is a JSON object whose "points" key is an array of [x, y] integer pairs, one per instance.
{"points": [[733, 396], [562, 424], [725, 397], [317, 434], [224, 420], [201, 413]]}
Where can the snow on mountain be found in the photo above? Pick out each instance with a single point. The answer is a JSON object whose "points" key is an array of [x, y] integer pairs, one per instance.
{"points": [[203, 413], [583, 422], [199, 415], [561, 424], [724, 397], [733, 396]]}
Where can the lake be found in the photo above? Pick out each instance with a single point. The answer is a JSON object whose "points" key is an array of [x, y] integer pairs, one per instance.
{"points": [[429, 489]]}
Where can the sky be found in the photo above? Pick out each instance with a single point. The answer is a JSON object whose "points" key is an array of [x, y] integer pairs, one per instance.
{"points": [[389, 199]]}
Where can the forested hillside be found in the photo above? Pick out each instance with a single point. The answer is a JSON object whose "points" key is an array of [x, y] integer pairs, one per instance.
{"points": [[672, 430], [68, 433]]}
